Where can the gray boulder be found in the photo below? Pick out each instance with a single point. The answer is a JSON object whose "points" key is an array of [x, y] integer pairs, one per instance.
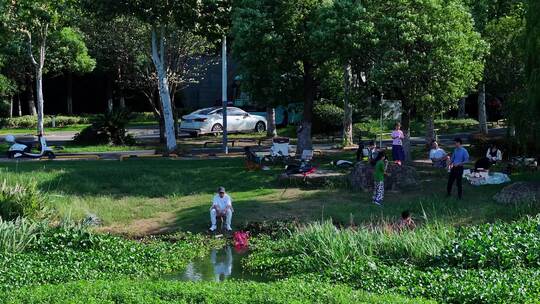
{"points": [[400, 178], [520, 192]]}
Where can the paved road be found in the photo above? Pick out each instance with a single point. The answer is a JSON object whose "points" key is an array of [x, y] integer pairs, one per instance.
{"points": [[153, 133]]}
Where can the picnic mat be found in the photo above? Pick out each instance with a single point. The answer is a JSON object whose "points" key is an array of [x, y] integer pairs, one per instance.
{"points": [[494, 178]]}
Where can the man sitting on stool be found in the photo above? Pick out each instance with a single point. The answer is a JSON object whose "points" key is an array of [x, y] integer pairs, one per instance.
{"points": [[221, 207]]}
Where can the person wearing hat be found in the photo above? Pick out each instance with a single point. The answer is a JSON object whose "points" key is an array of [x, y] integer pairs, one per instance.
{"points": [[221, 207]]}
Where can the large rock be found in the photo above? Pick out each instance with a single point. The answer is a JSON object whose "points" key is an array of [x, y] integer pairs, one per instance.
{"points": [[520, 192], [399, 178]]}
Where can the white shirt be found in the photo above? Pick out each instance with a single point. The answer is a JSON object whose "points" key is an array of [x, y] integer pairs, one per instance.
{"points": [[436, 153], [221, 203], [498, 157]]}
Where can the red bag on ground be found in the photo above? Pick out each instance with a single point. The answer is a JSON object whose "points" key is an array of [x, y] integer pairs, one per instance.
{"points": [[241, 239]]}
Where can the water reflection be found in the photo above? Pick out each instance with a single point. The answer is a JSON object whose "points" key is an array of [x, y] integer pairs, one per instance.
{"points": [[219, 265], [223, 264]]}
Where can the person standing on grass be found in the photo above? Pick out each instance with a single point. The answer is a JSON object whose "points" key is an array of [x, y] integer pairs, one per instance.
{"points": [[459, 158], [397, 144], [221, 207], [378, 176]]}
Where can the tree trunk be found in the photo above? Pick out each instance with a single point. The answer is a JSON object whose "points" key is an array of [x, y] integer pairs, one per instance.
{"points": [[482, 116], [162, 139], [224, 99], [405, 127], [158, 57], [175, 117], [19, 106], [271, 120], [347, 119], [122, 101], [30, 96], [40, 101], [461, 108], [430, 129], [69, 93], [304, 131], [109, 89], [11, 107]]}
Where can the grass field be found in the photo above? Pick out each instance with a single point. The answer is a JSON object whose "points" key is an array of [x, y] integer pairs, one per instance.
{"points": [[149, 196]]}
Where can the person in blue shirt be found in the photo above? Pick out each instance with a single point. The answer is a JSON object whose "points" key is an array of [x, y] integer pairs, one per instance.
{"points": [[459, 158]]}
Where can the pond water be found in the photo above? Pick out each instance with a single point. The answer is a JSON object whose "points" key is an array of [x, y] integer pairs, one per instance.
{"points": [[217, 266]]}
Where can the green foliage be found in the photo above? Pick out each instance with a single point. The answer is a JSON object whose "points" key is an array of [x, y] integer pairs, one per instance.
{"points": [[21, 201], [124, 291], [495, 263], [532, 64], [429, 54], [497, 245], [109, 128], [70, 252], [327, 118], [505, 64], [17, 235], [27, 122], [69, 53]]}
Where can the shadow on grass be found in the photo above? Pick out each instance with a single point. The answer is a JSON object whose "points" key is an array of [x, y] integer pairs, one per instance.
{"points": [[343, 207], [143, 178]]}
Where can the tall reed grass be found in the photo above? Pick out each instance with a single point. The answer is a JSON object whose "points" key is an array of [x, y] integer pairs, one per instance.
{"points": [[21, 200], [327, 246], [17, 235]]}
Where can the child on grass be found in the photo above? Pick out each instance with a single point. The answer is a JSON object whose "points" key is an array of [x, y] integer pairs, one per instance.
{"points": [[378, 176]]}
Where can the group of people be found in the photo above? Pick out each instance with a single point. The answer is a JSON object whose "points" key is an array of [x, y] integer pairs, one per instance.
{"points": [[454, 162]]}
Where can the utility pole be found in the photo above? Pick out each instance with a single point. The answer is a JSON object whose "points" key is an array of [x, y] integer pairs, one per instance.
{"points": [[224, 91]]}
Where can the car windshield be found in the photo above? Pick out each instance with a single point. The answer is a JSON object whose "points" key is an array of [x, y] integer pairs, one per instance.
{"points": [[205, 111]]}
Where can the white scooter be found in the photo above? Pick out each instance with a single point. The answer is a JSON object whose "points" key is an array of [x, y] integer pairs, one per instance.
{"points": [[24, 150]]}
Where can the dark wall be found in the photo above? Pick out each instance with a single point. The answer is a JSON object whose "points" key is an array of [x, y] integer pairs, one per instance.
{"points": [[89, 92]]}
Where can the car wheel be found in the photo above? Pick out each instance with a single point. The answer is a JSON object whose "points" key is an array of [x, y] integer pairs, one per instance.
{"points": [[260, 127], [217, 129]]}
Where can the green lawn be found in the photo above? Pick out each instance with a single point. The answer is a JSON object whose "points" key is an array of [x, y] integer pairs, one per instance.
{"points": [[145, 196], [32, 131]]}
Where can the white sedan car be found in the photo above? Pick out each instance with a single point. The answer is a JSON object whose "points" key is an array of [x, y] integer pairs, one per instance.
{"points": [[210, 121]]}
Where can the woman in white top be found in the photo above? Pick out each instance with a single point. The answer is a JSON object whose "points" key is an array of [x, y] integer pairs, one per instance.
{"points": [[494, 154]]}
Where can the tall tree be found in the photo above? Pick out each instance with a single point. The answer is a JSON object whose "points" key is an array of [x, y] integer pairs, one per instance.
{"points": [[117, 43], [283, 33], [186, 61], [36, 20], [429, 55], [532, 47], [163, 16], [484, 12], [349, 34], [68, 55]]}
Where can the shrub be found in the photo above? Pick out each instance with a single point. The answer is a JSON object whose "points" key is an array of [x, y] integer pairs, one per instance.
{"points": [[108, 129], [21, 201], [29, 121], [497, 263], [69, 253], [327, 118], [290, 291], [499, 245], [16, 236]]}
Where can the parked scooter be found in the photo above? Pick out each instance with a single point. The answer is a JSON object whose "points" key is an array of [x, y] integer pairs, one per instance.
{"points": [[24, 150]]}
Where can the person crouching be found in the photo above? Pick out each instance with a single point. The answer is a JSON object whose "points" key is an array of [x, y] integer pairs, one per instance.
{"points": [[221, 207]]}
